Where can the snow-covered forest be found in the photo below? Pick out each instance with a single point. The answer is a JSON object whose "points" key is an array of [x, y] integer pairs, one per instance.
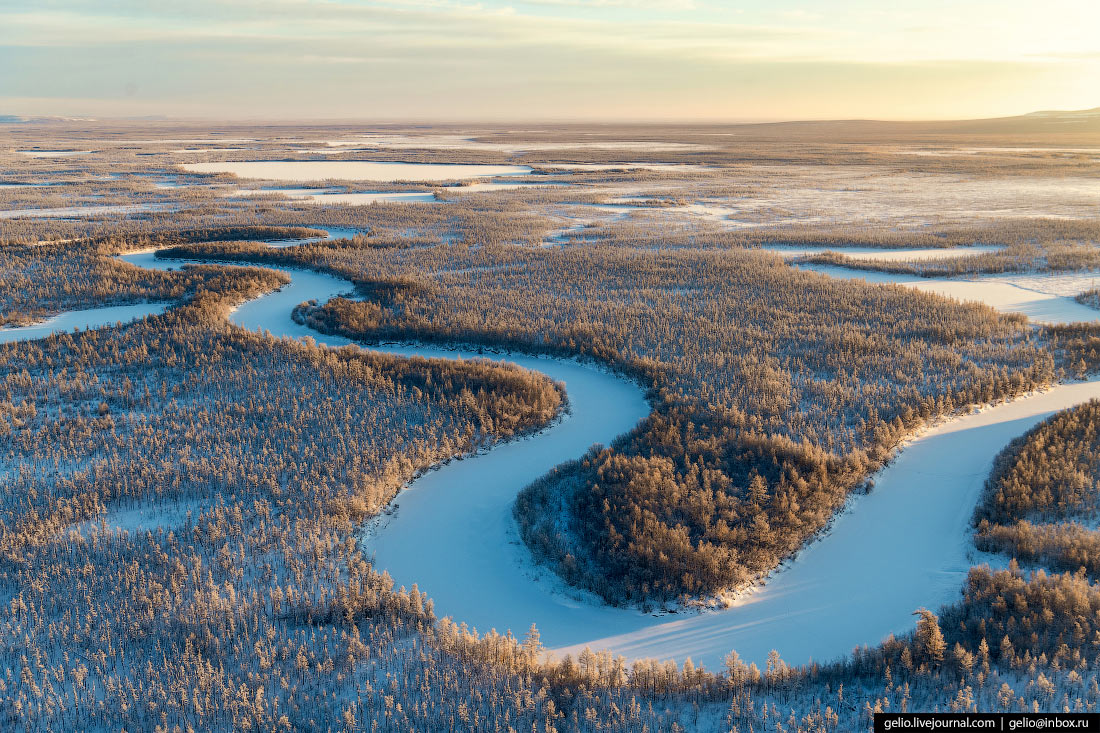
{"points": [[770, 405], [183, 501]]}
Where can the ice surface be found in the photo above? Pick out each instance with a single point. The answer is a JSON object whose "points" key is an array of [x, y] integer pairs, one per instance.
{"points": [[330, 233], [372, 197], [82, 319], [463, 142], [879, 254], [54, 153], [74, 211], [625, 166], [208, 150], [503, 186], [355, 170], [330, 196], [847, 195], [1042, 297]]}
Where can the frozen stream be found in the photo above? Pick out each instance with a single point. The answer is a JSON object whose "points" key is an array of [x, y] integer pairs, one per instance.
{"points": [[81, 319], [905, 545]]}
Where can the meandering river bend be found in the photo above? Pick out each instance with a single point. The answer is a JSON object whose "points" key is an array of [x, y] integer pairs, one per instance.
{"points": [[905, 545]]}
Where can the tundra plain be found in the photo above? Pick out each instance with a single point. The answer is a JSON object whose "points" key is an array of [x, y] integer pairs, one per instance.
{"points": [[336, 427]]}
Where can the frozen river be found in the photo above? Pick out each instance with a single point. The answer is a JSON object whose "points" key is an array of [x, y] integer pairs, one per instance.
{"points": [[905, 545], [1043, 297], [81, 320]]}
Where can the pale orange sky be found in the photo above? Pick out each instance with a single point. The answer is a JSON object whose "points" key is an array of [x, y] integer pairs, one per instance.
{"points": [[549, 59]]}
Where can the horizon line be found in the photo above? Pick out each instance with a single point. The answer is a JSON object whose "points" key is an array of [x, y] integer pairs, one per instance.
{"points": [[410, 120]]}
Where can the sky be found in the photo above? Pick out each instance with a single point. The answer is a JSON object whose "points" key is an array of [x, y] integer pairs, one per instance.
{"points": [[502, 60]]}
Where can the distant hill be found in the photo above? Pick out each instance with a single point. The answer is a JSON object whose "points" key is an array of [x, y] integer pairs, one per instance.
{"points": [[1066, 114], [22, 119], [1074, 122]]}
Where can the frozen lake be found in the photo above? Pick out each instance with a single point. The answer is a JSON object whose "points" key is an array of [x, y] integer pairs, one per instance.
{"points": [[355, 170], [325, 196], [372, 197], [625, 166], [54, 153], [330, 196]]}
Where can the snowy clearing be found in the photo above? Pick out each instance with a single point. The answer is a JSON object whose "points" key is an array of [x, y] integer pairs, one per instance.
{"points": [[624, 166], [167, 515], [372, 197]]}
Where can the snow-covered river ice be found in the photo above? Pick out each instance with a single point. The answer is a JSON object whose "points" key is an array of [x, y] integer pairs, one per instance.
{"points": [[1046, 297], [905, 545]]}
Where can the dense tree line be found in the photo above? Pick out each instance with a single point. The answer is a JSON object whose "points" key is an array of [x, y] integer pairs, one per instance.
{"points": [[1041, 501]]}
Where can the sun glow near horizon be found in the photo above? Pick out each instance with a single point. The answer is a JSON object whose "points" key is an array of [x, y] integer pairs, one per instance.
{"points": [[551, 59]]}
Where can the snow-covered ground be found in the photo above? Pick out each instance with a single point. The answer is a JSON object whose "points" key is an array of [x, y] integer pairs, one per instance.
{"points": [[880, 254], [370, 197], [213, 140], [904, 546], [854, 196], [208, 150], [82, 319], [146, 518], [355, 170], [1042, 297], [940, 152], [329, 196], [74, 211]]}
